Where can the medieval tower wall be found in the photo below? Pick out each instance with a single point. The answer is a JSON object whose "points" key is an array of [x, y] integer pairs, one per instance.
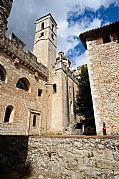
{"points": [[45, 41], [103, 66]]}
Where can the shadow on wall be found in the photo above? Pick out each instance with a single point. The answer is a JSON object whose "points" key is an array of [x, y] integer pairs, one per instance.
{"points": [[13, 155]]}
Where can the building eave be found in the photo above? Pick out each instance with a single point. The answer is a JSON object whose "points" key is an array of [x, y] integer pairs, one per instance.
{"points": [[99, 32]]}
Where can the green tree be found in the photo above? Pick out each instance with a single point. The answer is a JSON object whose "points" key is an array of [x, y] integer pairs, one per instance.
{"points": [[84, 105]]}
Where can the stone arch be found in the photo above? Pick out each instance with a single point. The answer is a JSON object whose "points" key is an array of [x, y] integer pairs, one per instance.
{"points": [[2, 73], [23, 84], [9, 114]]}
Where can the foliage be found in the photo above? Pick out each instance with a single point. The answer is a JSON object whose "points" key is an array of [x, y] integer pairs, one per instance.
{"points": [[84, 105]]}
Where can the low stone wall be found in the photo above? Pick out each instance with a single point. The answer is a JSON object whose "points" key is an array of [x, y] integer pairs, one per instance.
{"points": [[74, 157], [58, 157]]}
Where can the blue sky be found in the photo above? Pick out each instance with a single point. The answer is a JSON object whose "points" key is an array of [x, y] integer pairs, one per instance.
{"points": [[72, 17], [106, 15]]}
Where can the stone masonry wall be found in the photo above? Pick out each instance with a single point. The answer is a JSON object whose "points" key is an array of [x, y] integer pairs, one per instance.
{"points": [[74, 157], [26, 103], [103, 66], [58, 157], [63, 117]]}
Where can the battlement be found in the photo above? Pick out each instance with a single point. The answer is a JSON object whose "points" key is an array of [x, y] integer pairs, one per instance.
{"points": [[14, 48]]}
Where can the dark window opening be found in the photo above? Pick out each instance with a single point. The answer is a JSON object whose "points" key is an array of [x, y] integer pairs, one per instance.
{"points": [[1, 3], [54, 88], [2, 73], [78, 126], [34, 120], [117, 36], [39, 92], [52, 36], [106, 39], [23, 84], [8, 113], [104, 129], [42, 26], [42, 34], [52, 27]]}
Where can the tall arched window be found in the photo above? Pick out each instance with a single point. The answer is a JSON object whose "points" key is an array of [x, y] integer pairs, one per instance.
{"points": [[2, 73], [23, 84], [8, 113], [54, 88]]}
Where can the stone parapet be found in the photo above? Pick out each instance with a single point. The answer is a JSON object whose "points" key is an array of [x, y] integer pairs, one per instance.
{"points": [[16, 51]]}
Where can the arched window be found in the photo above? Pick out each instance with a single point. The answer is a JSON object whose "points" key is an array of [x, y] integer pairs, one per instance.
{"points": [[34, 120], [8, 113], [2, 73], [23, 84], [54, 88]]}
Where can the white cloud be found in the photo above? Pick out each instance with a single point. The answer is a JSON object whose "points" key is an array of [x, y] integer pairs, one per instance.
{"points": [[25, 12], [64, 32]]}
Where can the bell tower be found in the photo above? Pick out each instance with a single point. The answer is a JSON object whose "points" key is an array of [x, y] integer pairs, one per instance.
{"points": [[5, 8], [45, 41]]}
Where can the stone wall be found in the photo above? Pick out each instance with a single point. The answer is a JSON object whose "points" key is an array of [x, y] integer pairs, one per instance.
{"points": [[103, 66], [25, 104], [63, 117], [74, 157], [57, 157]]}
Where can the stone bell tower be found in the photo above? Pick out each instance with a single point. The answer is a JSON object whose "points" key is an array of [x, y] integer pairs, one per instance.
{"points": [[5, 8], [45, 41]]}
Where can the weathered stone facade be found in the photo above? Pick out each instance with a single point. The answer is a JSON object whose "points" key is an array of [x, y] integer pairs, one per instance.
{"points": [[37, 93], [59, 157], [103, 66], [74, 157]]}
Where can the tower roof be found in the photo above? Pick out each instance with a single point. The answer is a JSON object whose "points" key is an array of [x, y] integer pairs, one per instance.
{"points": [[99, 32], [46, 17]]}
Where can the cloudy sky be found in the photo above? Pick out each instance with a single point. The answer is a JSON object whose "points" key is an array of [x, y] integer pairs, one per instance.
{"points": [[72, 16]]}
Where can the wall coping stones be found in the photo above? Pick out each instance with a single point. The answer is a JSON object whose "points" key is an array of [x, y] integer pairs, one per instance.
{"points": [[64, 136]]}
